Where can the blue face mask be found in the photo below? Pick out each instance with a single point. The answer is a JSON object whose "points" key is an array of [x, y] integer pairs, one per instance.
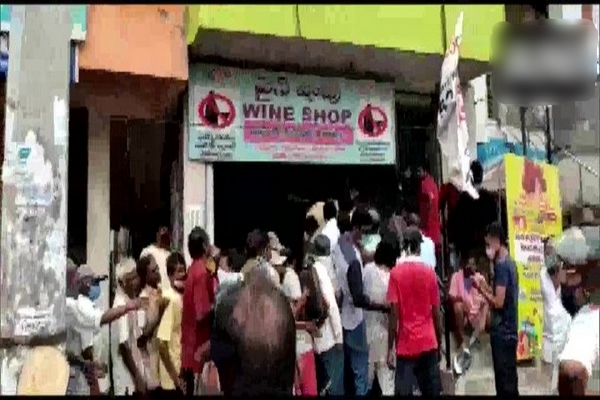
{"points": [[94, 293]]}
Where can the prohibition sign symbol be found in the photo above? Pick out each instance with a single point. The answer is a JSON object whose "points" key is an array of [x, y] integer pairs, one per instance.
{"points": [[372, 121], [216, 111]]}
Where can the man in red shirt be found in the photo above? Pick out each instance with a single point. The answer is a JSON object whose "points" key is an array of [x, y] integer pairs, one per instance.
{"points": [[429, 207], [415, 321], [198, 300]]}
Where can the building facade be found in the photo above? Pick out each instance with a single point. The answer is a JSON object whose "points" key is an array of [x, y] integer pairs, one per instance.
{"points": [[398, 48]]}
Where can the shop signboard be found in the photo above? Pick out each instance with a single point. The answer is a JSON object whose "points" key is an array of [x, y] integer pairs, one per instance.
{"points": [[257, 115], [533, 213], [78, 20]]}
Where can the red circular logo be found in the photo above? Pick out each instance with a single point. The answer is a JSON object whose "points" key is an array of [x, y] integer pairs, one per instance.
{"points": [[216, 111], [372, 121]]}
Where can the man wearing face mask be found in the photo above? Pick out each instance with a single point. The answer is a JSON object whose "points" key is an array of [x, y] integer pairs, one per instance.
{"points": [[580, 358], [160, 250], [83, 320], [503, 299], [348, 265]]}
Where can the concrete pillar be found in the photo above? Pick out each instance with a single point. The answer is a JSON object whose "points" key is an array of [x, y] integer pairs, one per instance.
{"points": [[194, 190], [98, 218]]}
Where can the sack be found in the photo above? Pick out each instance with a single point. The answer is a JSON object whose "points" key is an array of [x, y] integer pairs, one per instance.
{"points": [[209, 380]]}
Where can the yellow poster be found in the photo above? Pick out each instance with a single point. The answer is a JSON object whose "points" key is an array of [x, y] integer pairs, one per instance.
{"points": [[533, 213]]}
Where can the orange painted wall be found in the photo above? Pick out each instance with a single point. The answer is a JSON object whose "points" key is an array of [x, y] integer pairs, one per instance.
{"points": [[136, 39]]}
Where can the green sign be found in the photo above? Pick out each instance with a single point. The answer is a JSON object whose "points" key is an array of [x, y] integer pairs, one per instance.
{"points": [[78, 20]]}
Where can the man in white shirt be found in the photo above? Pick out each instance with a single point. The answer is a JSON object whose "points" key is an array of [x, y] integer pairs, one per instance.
{"points": [[376, 277], [330, 229], [160, 250], [556, 318], [427, 246], [580, 357], [83, 321], [128, 366], [328, 343]]}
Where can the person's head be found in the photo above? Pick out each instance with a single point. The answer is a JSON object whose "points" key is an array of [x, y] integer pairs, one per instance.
{"points": [[361, 223], [163, 237], [176, 270], [257, 245], [476, 173], [88, 283], [412, 241], [321, 246], [572, 251], [127, 277], [422, 169], [494, 239], [147, 270], [235, 260], [413, 220], [329, 210], [386, 254], [469, 263], [198, 243], [265, 333], [310, 227]]}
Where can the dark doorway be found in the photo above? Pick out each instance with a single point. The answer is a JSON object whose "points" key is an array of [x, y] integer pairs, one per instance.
{"points": [[275, 197], [78, 185]]}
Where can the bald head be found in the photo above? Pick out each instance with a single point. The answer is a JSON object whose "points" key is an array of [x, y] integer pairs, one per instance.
{"points": [[266, 335]]}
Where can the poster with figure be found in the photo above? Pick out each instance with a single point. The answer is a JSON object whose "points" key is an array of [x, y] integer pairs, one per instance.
{"points": [[257, 115], [533, 213]]}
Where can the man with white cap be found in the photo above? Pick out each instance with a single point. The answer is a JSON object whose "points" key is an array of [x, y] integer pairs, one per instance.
{"points": [[579, 360], [83, 321], [128, 367]]}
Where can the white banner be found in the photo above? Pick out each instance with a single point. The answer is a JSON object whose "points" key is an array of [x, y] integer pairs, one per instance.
{"points": [[452, 131]]}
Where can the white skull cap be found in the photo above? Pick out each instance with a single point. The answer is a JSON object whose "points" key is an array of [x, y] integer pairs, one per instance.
{"points": [[572, 246]]}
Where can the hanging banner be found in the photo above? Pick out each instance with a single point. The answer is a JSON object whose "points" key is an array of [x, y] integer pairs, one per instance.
{"points": [[452, 132], [256, 115], [533, 213]]}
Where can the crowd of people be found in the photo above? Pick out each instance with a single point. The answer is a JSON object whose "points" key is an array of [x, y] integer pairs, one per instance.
{"points": [[362, 303]]}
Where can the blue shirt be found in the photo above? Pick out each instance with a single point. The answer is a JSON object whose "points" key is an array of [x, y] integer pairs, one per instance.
{"points": [[504, 320]]}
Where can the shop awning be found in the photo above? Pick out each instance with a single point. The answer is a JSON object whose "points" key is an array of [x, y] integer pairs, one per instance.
{"points": [[73, 72]]}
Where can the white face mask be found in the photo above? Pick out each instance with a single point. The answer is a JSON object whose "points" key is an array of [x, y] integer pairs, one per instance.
{"points": [[491, 253]]}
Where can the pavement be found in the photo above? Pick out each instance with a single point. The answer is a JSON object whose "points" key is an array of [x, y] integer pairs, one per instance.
{"points": [[479, 379]]}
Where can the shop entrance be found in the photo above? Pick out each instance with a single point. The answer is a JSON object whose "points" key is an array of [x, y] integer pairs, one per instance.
{"points": [[143, 155], [275, 196]]}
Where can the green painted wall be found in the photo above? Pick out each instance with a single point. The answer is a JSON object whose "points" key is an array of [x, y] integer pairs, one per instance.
{"points": [[402, 27], [478, 24]]}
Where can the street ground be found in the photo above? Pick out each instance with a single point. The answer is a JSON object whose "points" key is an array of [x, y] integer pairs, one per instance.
{"points": [[479, 380]]}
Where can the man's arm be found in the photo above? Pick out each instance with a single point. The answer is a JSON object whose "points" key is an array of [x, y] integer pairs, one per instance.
{"points": [[201, 297], [355, 284], [165, 328], [126, 355], [501, 276], [435, 308], [393, 321]]}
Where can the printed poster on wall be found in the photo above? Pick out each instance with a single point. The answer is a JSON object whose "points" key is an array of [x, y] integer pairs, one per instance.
{"points": [[257, 115], [533, 213]]}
